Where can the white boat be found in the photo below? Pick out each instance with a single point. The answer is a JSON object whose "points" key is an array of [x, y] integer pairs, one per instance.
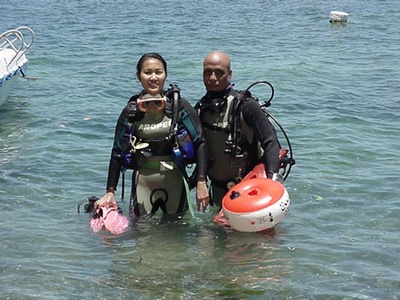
{"points": [[13, 62]]}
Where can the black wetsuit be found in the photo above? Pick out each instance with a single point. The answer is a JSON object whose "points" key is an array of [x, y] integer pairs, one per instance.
{"points": [[215, 110]]}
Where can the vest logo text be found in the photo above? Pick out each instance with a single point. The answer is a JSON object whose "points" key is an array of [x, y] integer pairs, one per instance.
{"points": [[165, 124]]}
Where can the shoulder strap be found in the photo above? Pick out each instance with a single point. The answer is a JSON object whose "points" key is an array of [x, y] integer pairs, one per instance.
{"points": [[173, 96], [235, 131], [133, 113], [216, 106]]}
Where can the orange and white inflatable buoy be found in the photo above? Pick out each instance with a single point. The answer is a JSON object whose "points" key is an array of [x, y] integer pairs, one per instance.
{"points": [[257, 203]]}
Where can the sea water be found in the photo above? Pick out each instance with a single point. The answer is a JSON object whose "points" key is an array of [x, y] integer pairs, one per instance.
{"points": [[337, 92]]}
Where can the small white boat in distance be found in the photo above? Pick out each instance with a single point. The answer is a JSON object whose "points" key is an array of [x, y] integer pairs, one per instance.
{"points": [[338, 16], [13, 62]]}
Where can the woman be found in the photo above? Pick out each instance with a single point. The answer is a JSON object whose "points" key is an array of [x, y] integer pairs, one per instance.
{"points": [[148, 120]]}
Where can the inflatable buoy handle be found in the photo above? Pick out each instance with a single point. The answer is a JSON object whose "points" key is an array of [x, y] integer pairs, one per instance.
{"points": [[234, 195]]}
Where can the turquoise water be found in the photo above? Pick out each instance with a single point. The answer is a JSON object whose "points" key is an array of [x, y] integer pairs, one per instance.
{"points": [[337, 95]]}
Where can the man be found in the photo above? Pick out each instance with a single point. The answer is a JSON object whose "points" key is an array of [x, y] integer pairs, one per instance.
{"points": [[234, 127]]}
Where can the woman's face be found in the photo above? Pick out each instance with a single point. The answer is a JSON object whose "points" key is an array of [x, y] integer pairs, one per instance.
{"points": [[152, 76]]}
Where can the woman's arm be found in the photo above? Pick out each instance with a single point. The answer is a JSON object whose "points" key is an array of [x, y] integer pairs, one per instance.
{"points": [[114, 168]]}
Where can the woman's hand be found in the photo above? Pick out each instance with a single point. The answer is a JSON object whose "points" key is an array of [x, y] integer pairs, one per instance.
{"points": [[107, 201], [202, 196]]}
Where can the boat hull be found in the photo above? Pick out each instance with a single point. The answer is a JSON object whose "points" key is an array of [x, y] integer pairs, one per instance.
{"points": [[8, 80], [13, 62]]}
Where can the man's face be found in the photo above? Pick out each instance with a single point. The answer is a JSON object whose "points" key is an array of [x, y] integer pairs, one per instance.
{"points": [[216, 73]]}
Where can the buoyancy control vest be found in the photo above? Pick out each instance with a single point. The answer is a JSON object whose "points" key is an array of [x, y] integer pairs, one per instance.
{"points": [[229, 138], [228, 133], [148, 137]]}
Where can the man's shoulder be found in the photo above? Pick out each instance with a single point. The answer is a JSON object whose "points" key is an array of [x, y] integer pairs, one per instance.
{"points": [[250, 107], [247, 99]]}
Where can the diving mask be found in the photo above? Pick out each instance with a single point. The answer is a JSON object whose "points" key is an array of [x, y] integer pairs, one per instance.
{"points": [[154, 103]]}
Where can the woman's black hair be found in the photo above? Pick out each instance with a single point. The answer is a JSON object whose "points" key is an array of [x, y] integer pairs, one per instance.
{"points": [[148, 56]]}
